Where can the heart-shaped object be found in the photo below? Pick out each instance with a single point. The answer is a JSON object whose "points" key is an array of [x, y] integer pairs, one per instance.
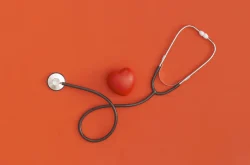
{"points": [[122, 81]]}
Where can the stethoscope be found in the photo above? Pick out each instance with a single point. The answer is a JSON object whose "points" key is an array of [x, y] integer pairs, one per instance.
{"points": [[56, 81]]}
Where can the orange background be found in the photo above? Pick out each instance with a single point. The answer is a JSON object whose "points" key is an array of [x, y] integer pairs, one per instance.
{"points": [[204, 122]]}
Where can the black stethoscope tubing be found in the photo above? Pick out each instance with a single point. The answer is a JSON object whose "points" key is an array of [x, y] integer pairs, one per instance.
{"points": [[114, 106]]}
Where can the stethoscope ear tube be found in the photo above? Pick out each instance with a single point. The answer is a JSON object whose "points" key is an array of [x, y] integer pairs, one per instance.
{"points": [[204, 36]]}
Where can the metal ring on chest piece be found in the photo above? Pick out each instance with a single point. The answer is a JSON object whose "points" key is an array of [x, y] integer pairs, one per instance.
{"points": [[55, 81]]}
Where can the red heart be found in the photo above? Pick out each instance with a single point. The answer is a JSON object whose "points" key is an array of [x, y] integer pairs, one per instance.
{"points": [[121, 82]]}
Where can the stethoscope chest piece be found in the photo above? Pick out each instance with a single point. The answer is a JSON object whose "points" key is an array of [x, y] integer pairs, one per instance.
{"points": [[55, 81]]}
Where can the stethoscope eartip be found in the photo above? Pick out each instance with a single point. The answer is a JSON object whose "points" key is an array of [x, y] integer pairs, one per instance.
{"points": [[55, 81]]}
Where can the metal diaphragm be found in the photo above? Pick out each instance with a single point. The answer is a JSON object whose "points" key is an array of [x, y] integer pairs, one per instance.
{"points": [[55, 81]]}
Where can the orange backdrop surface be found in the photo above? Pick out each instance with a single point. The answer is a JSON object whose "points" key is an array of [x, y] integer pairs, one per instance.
{"points": [[204, 122]]}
